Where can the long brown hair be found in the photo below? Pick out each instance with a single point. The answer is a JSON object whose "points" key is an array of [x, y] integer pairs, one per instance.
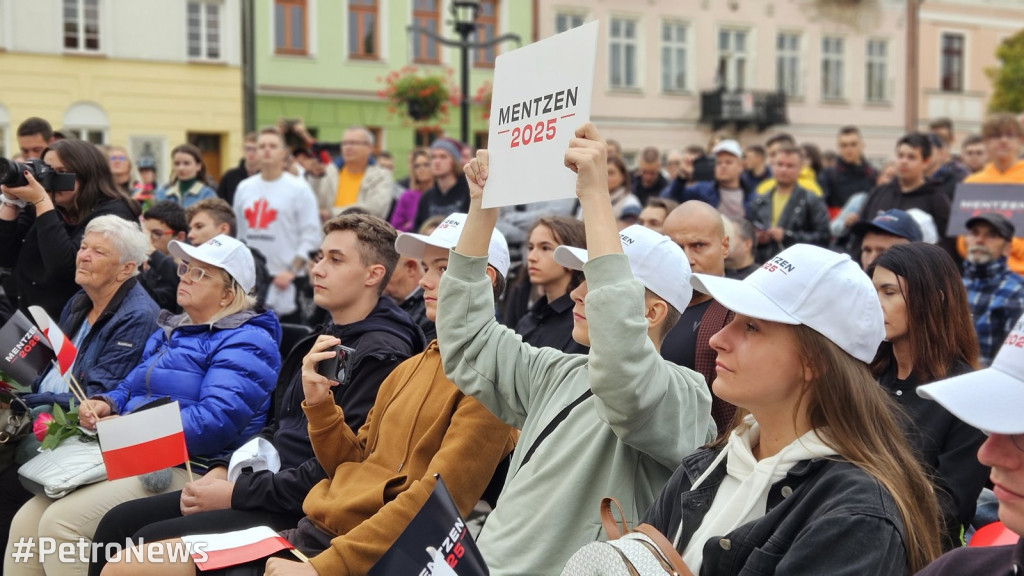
{"points": [[939, 325], [196, 155], [566, 231], [92, 173], [857, 419], [415, 184]]}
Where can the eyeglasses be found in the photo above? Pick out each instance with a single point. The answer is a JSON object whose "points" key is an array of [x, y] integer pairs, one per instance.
{"points": [[354, 143], [194, 273], [158, 234], [118, 158]]}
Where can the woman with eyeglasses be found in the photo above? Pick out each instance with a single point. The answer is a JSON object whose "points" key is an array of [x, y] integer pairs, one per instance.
{"points": [[929, 336], [189, 183], [40, 230], [219, 360], [121, 169], [421, 178]]}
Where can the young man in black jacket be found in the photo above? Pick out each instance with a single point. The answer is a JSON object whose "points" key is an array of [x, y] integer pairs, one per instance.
{"points": [[358, 259]]}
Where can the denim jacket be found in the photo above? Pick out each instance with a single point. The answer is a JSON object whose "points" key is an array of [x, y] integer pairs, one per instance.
{"points": [[825, 517]]}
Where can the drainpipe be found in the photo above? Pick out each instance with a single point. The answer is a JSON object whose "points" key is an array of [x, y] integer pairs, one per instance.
{"points": [[913, 64]]}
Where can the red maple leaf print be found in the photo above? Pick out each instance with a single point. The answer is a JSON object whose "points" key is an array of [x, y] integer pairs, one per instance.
{"points": [[260, 215]]}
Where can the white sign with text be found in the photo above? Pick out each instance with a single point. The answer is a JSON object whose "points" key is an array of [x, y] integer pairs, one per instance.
{"points": [[542, 93]]}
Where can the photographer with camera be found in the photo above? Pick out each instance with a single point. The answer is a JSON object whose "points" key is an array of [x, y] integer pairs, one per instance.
{"points": [[46, 206]]}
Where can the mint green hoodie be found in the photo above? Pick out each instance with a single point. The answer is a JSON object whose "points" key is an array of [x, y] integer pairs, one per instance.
{"points": [[646, 413]]}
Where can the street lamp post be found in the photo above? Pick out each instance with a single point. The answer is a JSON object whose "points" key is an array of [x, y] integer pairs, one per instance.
{"points": [[464, 18]]}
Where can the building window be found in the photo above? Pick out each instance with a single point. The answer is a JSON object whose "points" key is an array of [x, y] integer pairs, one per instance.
{"points": [[290, 27], [486, 29], [732, 59], [832, 56], [565, 22], [877, 70], [426, 14], [204, 30], [82, 25], [673, 57], [623, 60], [787, 64], [87, 121], [362, 29], [952, 62], [426, 136]]}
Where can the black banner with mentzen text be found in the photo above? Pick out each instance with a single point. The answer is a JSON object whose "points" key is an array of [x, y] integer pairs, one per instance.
{"points": [[435, 543], [24, 352]]}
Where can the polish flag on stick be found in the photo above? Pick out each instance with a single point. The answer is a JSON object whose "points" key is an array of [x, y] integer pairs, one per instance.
{"points": [[143, 441], [214, 551], [62, 347]]}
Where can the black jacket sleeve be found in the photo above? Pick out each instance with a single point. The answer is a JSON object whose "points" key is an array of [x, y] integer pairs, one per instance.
{"points": [[282, 492]]}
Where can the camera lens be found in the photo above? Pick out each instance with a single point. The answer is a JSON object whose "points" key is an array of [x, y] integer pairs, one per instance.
{"points": [[7, 169]]}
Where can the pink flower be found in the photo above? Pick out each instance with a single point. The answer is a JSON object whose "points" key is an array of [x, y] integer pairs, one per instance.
{"points": [[41, 425]]}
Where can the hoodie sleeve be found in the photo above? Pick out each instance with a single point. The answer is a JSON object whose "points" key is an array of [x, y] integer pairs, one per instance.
{"points": [[485, 359], [658, 407], [281, 492]]}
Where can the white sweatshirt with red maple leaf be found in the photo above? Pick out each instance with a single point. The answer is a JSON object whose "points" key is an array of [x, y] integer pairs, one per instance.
{"points": [[278, 218]]}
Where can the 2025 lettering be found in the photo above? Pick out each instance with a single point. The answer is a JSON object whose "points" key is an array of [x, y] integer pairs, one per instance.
{"points": [[532, 133]]}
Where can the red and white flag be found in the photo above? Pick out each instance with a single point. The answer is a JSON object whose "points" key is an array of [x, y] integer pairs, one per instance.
{"points": [[62, 347], [143, 441], [213, 551]]}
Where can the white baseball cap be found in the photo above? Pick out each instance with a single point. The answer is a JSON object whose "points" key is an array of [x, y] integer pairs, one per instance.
{"points": [[656, 261], [991, 399], [728, 146], [804, 284], [446, 236], [221, 251]]}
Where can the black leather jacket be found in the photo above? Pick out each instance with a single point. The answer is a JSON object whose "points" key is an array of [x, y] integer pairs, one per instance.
{"points": [[804, 218], [825, 517]]}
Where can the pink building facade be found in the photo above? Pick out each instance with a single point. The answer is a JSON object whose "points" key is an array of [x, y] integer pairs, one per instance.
{"points": [[838, 62]]}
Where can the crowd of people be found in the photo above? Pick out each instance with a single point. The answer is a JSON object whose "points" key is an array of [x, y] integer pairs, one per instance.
{"points": [[786, 361]]}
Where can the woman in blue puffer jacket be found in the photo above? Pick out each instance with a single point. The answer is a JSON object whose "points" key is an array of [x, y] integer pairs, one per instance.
{"points": [[219, 360]]}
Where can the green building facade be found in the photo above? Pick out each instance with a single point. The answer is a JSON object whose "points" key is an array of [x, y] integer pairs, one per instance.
{"points": [[325, 62]]}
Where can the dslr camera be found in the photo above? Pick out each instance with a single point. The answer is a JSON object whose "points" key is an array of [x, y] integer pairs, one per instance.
{"points": [[12, 174], [336, 368]]}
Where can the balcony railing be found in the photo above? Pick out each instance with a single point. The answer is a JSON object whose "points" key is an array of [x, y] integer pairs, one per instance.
{"points": [[757, 108]]}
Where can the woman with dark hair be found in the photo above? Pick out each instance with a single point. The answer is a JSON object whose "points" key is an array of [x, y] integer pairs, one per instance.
{"points": [[815, 476], [549, 321], [929, 336], [189, 183], [618, 187], [39, 240]]}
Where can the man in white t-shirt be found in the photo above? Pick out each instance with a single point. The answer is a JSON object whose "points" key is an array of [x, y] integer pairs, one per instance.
{"points": [[277, 214]]}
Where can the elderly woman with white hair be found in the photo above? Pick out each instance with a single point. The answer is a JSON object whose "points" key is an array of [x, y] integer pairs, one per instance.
{"points": [[219, 360], [108, 321]]}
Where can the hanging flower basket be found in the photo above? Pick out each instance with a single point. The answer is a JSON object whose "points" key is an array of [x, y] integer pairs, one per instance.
{"points": [[420, 97], [483, 97]]}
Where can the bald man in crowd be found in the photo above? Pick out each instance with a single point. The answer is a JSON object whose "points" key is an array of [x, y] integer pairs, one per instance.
{"points": [[698, 229]]}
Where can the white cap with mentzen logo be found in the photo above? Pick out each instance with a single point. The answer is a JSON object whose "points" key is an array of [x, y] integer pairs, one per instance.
{"points": [[446, 236], [808, 285], [656, 261], [991, 399], [224, 252]]}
